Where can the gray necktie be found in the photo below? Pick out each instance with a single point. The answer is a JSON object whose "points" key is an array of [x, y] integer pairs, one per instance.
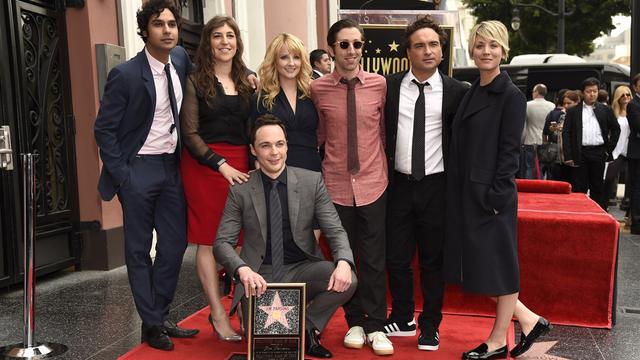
{"points": [[277, 249]]}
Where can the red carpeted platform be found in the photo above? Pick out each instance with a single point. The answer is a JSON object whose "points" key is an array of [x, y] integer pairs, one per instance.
{"points": [[568, 247], [458, 334]]}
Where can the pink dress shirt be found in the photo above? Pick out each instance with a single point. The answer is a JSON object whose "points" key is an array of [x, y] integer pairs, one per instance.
{"points": [[330, 98]]}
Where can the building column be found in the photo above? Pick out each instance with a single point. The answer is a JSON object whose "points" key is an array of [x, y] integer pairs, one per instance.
{"points": [[101, 222]]}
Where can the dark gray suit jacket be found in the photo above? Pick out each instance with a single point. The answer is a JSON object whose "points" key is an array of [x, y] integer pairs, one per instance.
{"points": [[246, 209]]}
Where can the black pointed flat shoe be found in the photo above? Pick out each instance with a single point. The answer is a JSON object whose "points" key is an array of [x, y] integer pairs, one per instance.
{"points": [[482, 352], [542, 327]]}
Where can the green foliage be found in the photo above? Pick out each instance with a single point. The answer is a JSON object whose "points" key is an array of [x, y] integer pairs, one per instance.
{"points": [[538, 32]]}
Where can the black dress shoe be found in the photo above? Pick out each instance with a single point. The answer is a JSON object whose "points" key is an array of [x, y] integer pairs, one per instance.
{"points": [[542, 327], [482, 352], [175, 331], [156, 337], [313, 346]]}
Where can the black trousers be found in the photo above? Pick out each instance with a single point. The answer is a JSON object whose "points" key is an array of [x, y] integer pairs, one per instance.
{"points": [[153, 198], [589, 174], [415, 219], [611, 178], [634, 183], [365, 226]]}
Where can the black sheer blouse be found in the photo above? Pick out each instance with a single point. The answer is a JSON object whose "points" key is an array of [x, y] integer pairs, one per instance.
{"points": [[222, 119]]}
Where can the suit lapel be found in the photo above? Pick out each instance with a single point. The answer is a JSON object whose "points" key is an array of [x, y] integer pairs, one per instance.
{"points": [[294, 199], [147, 77], [259, 204]]}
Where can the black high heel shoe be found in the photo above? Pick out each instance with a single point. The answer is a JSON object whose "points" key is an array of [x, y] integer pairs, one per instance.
{"points": [[232, 338], [542, 327], [482, 352]]}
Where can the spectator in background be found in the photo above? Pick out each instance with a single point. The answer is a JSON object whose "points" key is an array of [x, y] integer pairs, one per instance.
{"points": [[553, 134], [633, 153], [320, 63], [549, 138], [621, 98], [603, 97], [537, 110], [589, 135]]}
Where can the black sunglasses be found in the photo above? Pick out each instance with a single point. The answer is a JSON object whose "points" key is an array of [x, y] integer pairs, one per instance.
{"points": [[345, 44]]}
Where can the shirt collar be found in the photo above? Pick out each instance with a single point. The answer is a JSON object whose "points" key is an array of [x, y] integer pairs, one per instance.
{"points": [[435, 80], [282, 178], [585, 106], [336, 76], [157, 67]]}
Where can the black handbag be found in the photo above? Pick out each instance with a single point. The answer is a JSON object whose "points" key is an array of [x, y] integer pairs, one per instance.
{"points": [[549, 153]]}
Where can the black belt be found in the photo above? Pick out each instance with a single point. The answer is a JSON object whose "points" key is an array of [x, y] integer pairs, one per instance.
{"points": [[409, 177], [157, 157]]}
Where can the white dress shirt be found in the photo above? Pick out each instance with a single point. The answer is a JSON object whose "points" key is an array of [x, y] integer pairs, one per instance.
{"points": [[409, 92], [160, 139], [623, 140], [591, 134]]}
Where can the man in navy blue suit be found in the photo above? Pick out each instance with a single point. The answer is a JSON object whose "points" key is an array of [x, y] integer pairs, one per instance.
{"points": [[137, 130]]}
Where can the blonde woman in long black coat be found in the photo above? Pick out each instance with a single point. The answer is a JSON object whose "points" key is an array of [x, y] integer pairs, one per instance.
{"points": [[481, 248]]}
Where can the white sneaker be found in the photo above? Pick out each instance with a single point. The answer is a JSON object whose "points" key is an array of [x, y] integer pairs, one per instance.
{"points": [[380, 343], [354, 338]]}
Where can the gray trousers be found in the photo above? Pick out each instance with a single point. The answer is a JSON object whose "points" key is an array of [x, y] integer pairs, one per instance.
{"points": [[321, 304]]}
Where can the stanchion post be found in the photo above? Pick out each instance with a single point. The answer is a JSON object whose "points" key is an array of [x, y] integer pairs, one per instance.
{"points": [[28, 349]]}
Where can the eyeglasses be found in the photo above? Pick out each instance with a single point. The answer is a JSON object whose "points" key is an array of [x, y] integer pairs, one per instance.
{"points": [[629, 95], [345, 44]]}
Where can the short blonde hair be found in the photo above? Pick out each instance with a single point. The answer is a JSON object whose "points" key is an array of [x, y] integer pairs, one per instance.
{"points": [[268, 72], [490, 30]]}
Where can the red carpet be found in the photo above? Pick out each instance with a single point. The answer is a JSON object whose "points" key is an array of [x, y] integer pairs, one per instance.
{"points": [[458, 334]]}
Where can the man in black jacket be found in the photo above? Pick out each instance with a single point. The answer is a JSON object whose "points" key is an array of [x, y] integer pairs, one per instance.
{"points": [[589, 136], [420, 102], [633, 154]]}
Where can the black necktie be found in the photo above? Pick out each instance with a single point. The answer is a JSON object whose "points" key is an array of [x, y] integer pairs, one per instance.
{"points": [[353, 163], [172, 100], [277, 248], [417, 149]]}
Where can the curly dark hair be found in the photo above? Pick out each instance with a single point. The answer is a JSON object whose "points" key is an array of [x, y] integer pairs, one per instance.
{"points": [[422, 21], [153, 8], [204, 75]]}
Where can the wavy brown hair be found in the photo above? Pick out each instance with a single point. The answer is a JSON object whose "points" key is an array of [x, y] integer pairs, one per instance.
{"points": [[204, 75], [268, 71]]}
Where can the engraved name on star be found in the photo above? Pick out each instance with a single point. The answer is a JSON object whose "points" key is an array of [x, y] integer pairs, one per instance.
{"points": [[393, 46], [276, 312]]}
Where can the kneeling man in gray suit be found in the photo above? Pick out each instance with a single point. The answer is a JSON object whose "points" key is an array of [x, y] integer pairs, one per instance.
{"points": [[276, 209]]}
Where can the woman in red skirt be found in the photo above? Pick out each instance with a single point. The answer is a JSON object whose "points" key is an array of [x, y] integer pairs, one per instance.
{"points": [[214, 120]]}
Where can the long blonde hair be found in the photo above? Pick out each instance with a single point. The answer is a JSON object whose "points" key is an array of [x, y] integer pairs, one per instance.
{"points": [[615, 105], [268, 71]]}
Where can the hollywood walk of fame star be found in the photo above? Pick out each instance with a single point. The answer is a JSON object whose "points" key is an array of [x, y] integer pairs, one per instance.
{"points": [[539, 350], [276, 312], [393, 46]]}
